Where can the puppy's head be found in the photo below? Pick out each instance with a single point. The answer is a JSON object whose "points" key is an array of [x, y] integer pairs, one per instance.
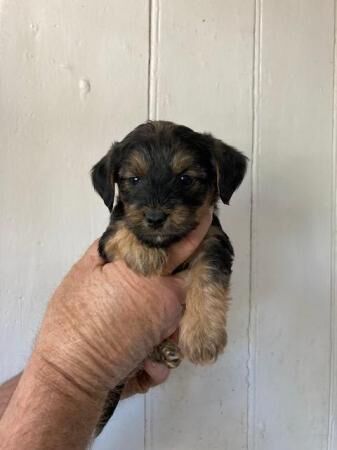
{"points": [[167, 175]]}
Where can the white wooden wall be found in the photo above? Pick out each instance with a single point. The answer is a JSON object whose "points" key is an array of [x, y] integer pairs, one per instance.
{"points": [[74, 75]]}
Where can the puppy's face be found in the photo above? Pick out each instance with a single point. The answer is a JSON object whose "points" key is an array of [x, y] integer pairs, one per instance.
{"points": [[167, 175]]}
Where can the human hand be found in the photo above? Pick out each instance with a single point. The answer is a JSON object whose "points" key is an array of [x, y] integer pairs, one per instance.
{"points": [[103, 320], [151, 375], [101, 323]]}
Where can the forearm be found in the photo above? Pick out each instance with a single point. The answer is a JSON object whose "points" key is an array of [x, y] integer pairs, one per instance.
{"points": [[49, 410], [6, 391]]}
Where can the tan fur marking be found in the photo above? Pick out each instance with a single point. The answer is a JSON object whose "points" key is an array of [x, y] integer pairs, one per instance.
{"points": [[181, 161], [194, 172], [135, 166], [179, 215], [141, 259], [134, 214]]}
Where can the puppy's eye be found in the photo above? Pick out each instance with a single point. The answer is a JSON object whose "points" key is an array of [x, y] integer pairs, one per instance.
{"points": [[185, 179], [134, 180]]}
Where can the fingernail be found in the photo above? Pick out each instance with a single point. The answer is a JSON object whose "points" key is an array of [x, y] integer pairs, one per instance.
{"points": [[155, 365]]}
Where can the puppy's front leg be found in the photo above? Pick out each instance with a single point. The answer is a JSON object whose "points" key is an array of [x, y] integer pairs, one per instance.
{"points": [[203, 328]]}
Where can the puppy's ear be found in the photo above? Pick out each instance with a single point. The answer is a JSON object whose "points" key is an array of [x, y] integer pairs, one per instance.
{"points": [[231, 169], [102, 176]]}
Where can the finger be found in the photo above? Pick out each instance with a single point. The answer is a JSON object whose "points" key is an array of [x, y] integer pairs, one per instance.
{"points": [[139, 384], [157, 372], [182, 250], [152, 375]]}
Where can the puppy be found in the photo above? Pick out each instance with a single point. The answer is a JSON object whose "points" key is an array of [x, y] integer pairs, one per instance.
{"points": [[167, 176]]}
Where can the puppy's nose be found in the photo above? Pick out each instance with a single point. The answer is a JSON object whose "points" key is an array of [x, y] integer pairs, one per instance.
{"points": [[155, 218]]}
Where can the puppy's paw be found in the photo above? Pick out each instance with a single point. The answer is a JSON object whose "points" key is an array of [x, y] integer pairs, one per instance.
{"points": [[202, 342], [167, 353]]}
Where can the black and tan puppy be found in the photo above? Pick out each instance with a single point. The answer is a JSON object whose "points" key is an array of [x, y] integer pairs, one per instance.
{"points": [[167, 176]]}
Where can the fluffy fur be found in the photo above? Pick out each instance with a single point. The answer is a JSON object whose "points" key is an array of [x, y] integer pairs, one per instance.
{"points": [[167, 175]]}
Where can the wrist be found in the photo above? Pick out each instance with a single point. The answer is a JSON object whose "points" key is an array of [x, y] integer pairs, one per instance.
{"points": [[49, 410], [65, 380]]}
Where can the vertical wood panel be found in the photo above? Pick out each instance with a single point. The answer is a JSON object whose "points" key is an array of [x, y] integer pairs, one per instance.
{"points": [[202, 77], [73, 78], [332, 437], [292, 226]]}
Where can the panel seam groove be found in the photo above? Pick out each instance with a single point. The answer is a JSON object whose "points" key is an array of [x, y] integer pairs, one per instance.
{"points": [[251, 331], [333, 286], [154, 25]]}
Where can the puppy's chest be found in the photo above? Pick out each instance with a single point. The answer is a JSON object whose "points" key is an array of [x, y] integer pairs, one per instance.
{"points": [[119, 243], [215, 253]]}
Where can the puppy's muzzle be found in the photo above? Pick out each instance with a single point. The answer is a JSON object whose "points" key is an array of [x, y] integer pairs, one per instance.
{"points": [[155, 218]]}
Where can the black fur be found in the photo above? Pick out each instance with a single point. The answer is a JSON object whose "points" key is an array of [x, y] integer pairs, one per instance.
{"points": [[219, 171], [219, 254], [102, 179], [216, 170]]}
